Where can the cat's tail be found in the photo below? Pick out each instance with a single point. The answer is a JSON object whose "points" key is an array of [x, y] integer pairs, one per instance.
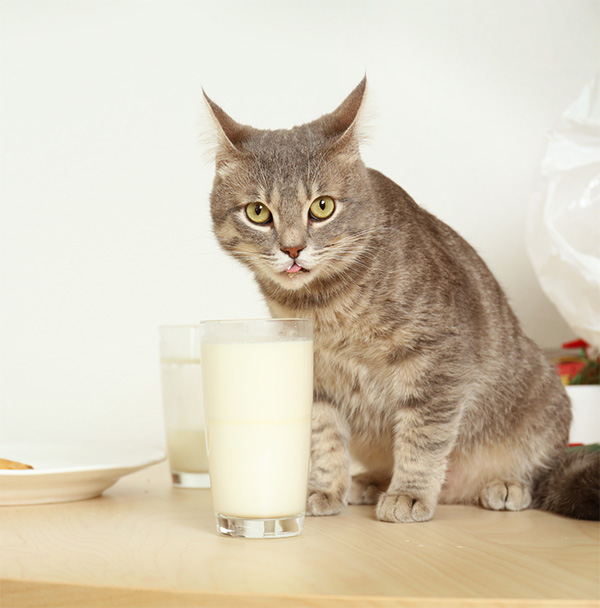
{"points": [[573, 487]]}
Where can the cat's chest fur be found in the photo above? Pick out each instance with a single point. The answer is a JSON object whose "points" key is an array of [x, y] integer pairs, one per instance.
{"points": [[356, 366]]}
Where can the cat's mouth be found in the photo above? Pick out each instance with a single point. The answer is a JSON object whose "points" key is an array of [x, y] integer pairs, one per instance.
{"points": [[294, 268], [294, 276]]}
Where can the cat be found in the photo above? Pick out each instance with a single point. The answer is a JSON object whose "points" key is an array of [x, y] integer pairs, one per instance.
{"points": [[422, 371]]}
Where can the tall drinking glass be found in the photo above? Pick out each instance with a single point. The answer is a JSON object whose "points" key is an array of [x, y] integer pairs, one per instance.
{"points": [[257, 378]]}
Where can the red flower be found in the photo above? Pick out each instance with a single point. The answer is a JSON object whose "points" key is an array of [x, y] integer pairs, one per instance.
{"points": [[576, 344], [570, 368]]}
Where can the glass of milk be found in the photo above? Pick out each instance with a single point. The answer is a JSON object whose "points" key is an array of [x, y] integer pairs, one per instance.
{"points": [[182, 403], [257, 379]]}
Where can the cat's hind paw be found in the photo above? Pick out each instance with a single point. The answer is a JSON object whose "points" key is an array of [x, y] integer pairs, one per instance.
{"points": [[366, 488], [323, 503], [504, 495], [402, 508]]}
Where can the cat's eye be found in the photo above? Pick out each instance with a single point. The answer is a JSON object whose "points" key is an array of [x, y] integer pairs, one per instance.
{"points": [[322, 208], [258, 213]]}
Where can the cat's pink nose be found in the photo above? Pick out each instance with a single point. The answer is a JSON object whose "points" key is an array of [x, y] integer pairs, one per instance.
{"points": [[293, 252]]}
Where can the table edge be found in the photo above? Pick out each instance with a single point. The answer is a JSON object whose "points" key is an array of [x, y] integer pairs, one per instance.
{"points": [[16, 593]]}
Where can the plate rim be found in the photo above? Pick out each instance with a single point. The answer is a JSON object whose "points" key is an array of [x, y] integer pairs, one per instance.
{"points": [[142, 455]]}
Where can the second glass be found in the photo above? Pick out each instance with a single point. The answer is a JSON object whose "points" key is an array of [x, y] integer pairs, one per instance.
{"points": [[182, 401]]}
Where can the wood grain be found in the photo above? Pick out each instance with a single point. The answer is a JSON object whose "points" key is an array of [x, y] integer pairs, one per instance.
{"points": [[145, 537]]}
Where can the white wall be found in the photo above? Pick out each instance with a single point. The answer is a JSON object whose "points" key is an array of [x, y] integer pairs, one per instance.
{"points": [[104, 223]]}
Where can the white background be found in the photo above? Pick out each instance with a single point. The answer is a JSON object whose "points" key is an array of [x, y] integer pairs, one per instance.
{"points": [[105, 231]]}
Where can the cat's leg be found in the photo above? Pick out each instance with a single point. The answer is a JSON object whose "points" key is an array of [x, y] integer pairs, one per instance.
{"points": [[505, 495], [330, 462], [366, 488], [422, 445]]}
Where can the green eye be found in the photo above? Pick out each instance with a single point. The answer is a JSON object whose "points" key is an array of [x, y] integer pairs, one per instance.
{"points": [[258, 213], [322, 208]]}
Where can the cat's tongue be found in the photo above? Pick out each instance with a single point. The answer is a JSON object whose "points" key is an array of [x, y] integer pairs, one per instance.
{"points": [[294, 268]]}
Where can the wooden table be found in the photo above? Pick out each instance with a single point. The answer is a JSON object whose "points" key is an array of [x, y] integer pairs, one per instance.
{"points": [[146, 544]]}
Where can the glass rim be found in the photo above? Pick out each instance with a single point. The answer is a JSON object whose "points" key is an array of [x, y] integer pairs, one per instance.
{"points": [[251, 330], [254, 320]]}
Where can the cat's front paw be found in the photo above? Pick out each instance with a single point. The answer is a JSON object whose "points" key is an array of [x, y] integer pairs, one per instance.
{"points": [[323, 503], [403, 508]]}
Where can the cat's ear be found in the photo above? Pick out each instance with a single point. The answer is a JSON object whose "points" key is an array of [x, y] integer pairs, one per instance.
{"points": [[344, 128], [230, 134], [343, 122]]}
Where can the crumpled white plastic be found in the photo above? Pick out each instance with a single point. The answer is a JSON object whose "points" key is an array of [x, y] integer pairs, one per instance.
{"points": [[563, 231]]}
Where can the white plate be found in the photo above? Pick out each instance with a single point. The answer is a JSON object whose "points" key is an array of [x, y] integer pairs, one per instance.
{"points": [[62, 473]]}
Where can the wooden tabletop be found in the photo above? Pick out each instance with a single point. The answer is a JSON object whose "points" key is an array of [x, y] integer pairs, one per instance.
{"points": [[147, 544]]}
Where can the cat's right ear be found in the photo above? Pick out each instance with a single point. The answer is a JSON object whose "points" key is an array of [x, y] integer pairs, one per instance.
{"points": [[230, 134]]}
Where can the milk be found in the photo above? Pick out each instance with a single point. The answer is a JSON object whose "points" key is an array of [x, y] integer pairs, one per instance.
{"points": [[187, 450], [257, 403]]}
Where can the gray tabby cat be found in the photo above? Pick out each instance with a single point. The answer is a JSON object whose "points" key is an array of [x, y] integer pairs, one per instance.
{"points": [[421, 367]]}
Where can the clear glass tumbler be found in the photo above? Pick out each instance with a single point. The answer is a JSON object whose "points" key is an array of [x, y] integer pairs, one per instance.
{"points": [[182, 403], [257, 378]]}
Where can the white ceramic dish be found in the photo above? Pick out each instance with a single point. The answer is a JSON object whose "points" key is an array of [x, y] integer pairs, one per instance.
{"points": [[585, 399], [63, 473]]}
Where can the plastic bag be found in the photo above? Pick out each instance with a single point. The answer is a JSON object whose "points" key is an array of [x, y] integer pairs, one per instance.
{"points": [[563, 230]]}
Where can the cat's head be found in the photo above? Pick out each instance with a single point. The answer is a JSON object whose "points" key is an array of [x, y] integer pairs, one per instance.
{"points": [[293, 205]]}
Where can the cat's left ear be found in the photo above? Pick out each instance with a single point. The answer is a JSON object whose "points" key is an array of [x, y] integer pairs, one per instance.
{"points": [[344, 123]]}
